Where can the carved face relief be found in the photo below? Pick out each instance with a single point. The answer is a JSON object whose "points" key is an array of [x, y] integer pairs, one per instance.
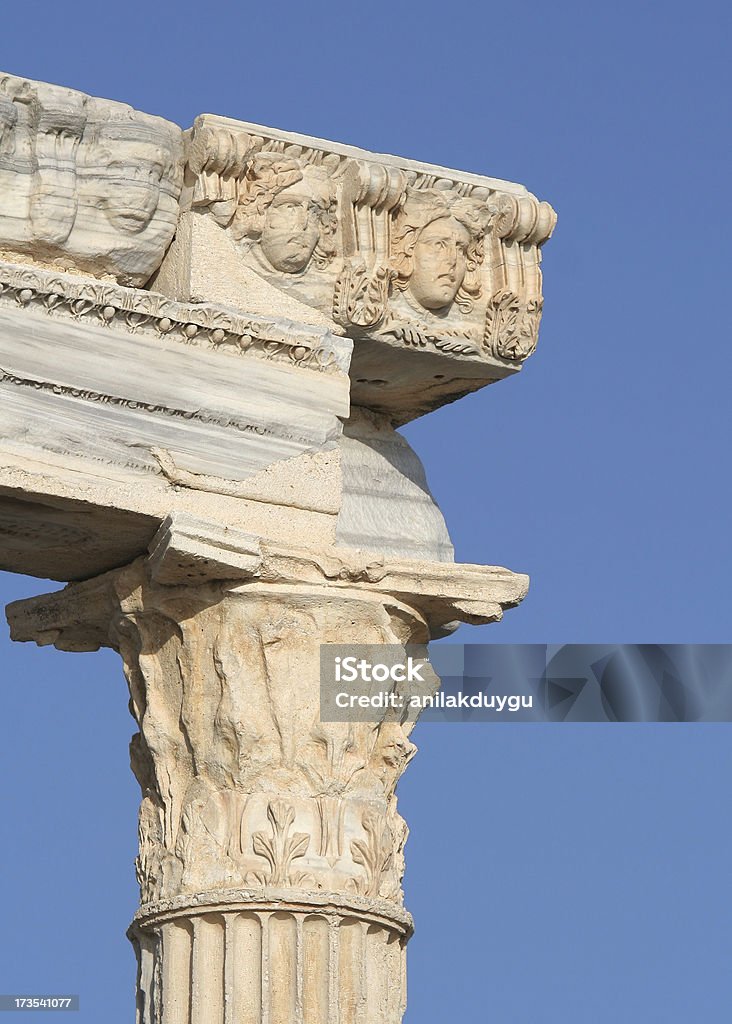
{"points": [[91, 183], [437, 250], [439, 262], [130, 173], [127, 187], [129, 170], [286, 214], [291, 231]]}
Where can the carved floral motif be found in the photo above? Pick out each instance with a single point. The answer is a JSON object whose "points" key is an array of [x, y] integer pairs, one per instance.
{"points": [[361, 297], [511, 327], [374, 853], [280, 848]]}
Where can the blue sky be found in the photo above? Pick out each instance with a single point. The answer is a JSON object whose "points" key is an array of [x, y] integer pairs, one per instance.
{"points": [[557, 873]]}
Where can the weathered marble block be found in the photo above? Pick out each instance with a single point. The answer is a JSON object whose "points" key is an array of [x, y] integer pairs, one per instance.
{"points": [[118, 406], [86, 184]]}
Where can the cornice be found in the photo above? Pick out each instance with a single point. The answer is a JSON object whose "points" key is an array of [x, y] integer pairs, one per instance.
{"points": [[135, 311]]}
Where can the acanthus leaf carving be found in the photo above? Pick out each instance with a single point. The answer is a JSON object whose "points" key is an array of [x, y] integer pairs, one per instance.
{"points": [[223, 685], [420, 336], [361, 297], [280, 848], [335, 759], [374, 853], [512, 327]]}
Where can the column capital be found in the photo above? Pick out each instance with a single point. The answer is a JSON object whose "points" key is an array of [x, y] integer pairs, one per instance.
{"points": [[188, 551]]}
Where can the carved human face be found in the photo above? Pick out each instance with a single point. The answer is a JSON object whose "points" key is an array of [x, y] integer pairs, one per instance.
{"points": [[128, 187], [439, 262], [291, 231]]}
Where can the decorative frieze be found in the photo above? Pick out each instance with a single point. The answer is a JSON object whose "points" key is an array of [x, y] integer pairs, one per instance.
{"points": [[408, 253], [411, 260]]}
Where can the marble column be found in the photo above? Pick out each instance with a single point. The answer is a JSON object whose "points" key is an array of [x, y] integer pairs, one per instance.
{"points": [[271, 850]]}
